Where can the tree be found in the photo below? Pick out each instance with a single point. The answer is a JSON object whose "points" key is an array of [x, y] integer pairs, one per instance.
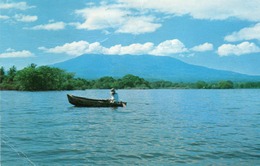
{"points": [[201, 85], [27, 78], [11, 74], [161, 84], [2, 74], [131, 81], [41, 78], [225, 85], [50, 78], [105, 83]]}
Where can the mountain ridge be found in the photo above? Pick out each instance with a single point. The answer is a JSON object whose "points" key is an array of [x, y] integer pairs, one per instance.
{"points": [[94, 66]]}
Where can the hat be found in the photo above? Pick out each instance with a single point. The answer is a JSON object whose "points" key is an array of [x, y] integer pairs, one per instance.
{"points": [[112, 90]]}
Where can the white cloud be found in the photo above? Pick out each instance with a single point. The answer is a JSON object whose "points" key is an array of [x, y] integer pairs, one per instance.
{"points": [[133, 49], [138, 25], [248, 33], [75, 48], [25, 18], [11, 53], [203, 47], [97, 18], [18, 5], [120, 19], [203, 9], [240, 49], [169, 47], [95, 48], [50, 27], [4, 17]]}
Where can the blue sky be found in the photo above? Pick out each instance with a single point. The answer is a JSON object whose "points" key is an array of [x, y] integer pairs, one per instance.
{"points": [[217, 34]]}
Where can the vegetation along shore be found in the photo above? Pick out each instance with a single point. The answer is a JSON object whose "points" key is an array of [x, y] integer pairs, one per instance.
{"points": [[45, 78]]}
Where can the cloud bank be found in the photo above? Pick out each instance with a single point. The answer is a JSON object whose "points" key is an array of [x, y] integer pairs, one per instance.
{"points": [[165, 48]]}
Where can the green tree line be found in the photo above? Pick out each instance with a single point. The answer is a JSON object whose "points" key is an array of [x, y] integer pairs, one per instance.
{"points": [[45, 78]]}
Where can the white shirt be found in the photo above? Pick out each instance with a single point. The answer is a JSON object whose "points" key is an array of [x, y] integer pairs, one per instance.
{"points": [[114, 97]]}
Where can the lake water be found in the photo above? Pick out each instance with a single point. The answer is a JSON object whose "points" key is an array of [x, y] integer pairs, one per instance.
{"points": [[158, 127]]}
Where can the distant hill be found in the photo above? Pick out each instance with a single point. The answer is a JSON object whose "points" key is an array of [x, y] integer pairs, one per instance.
{"points": [[148, 67]]}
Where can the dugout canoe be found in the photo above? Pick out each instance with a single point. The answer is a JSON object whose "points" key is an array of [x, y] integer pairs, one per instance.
{"points": [[87, 102]]}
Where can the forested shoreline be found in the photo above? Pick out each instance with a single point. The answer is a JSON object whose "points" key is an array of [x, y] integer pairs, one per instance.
{"points": [[45, 78]]}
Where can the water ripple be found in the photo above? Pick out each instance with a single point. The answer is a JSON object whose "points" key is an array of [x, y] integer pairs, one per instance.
{"points": [[180, 127]]}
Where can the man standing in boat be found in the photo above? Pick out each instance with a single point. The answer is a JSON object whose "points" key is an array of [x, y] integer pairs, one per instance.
{"points": [[114, 96]]}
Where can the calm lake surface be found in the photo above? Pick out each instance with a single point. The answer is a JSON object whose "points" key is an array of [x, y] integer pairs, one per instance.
{"points": [[158, 127]]}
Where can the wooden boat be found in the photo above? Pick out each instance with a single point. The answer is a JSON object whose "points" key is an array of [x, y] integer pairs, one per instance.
{"points": [[86, 102]]}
